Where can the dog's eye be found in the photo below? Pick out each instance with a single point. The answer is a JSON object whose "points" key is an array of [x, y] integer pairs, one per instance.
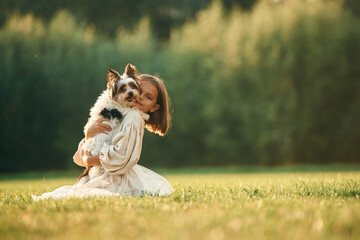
{"points": [[134, 86], [122, 89]]}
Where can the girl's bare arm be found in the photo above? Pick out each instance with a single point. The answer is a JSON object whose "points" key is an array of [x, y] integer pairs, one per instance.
{"points": [[97, 127]]}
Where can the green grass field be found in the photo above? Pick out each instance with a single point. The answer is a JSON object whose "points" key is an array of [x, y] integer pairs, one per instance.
{"points": [[266, 205]]}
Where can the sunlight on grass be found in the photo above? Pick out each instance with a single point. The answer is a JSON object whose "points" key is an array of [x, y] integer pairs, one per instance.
{"points": [[203, 206]]}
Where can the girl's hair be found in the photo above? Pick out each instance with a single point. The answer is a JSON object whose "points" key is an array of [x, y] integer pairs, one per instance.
{"points": [[159, 121]]}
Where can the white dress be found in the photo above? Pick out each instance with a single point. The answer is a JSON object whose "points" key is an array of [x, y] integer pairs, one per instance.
{"points": [[119, 173]]}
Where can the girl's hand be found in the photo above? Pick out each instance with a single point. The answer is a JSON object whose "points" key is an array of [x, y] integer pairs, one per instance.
{"points": [[97, 127], [90, 160]]}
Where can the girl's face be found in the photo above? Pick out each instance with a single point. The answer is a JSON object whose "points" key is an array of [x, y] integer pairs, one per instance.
{"points": [[148, 97]]}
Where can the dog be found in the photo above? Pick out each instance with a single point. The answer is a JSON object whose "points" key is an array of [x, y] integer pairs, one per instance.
{"points": [[121, 94]]}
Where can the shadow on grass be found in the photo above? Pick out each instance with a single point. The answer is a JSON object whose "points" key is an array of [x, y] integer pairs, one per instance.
{"points": [[247, 169], [263, 169]]}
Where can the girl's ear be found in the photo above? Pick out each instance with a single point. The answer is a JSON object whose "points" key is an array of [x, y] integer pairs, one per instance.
{"points": [[156, 107], [113, 76], [131, 71]]}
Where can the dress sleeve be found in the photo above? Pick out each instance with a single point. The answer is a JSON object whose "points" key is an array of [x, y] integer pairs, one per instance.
{"points": [[81, 143], [125, 149]]}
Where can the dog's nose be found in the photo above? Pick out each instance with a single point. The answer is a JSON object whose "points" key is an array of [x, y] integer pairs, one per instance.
{"points": [[131, 94]]}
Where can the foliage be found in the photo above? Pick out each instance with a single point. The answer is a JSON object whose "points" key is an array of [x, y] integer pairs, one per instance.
{"points": [[285, 81], [51, 75], [274, 85], [110, 15], [211, 206]]}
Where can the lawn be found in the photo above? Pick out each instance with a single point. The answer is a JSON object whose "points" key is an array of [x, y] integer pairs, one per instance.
{"points": [[265, 205]]}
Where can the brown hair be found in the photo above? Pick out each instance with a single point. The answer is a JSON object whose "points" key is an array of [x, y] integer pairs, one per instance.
{"points": [[159, 121]]}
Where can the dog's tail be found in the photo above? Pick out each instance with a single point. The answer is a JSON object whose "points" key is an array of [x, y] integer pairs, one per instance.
{"points": [[85, 173]]}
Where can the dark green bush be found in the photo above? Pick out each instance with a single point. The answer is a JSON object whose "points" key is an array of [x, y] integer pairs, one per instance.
{"points": [[277, 85]]}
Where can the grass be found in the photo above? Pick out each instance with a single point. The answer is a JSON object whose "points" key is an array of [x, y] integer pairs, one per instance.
{"points": [[265, 205]]}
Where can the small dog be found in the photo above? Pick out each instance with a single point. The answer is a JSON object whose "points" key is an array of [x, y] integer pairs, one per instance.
{"points": [[121, 94]]}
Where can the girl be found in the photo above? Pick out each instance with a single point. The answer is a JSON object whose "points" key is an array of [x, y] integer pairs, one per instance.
{"points": [[121, 175]]}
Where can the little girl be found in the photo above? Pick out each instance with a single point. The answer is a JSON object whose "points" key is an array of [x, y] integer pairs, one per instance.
{"points": [[122, 175]]}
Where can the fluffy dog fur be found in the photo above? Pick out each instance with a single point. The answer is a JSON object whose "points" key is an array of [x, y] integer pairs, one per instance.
{"points": [[120, 96]]}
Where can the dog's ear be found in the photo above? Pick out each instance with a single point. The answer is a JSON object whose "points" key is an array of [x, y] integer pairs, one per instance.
{"points": [[131, 71], [113, 78]]}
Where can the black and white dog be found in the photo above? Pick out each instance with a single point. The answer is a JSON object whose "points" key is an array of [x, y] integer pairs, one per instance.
{"points": [[121, 94]]}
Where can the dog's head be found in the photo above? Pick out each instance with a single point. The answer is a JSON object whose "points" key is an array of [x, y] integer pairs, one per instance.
{"points": [[124, 89]]}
